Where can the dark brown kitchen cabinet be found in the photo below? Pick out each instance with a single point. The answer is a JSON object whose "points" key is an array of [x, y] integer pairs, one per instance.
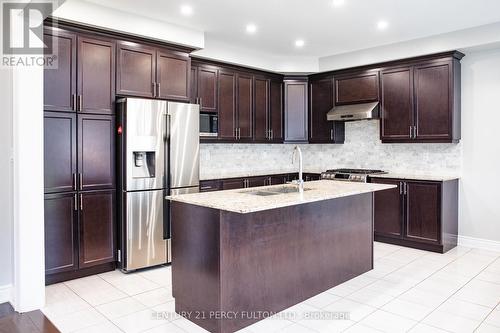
{"points": [[96, 228], [232, 184], [420, 102], [210, 185], [136, 70], [60, 167], [419, 214], [206, 88], [257, 181], [96, 152], [321, 100], [173, 75], [262, 121], [276, 110], [388, 209], [60, 82], [61, 236], [227, 105], [96, 75], [244, 106], [296, 110], [397, 103], [357, 87]]}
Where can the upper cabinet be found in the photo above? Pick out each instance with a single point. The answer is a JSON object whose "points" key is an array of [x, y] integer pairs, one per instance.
{"points": [[84, 80], [268, 109], [296, 121], [276, 110], [357, 87], [420, 102], [321, 100], [146, 71], [204, 83]]}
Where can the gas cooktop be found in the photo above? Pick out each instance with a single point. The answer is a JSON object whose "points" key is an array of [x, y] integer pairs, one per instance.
{"points": [[353, 175]]}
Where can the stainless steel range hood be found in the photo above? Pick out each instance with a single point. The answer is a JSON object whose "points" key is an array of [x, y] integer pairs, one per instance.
{"points": [[354, 112]]}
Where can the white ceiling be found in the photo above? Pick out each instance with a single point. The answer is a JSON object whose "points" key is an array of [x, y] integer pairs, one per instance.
{"points": [[326, 30]]}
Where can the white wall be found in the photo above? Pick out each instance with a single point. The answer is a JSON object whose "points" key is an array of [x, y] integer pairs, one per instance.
{"points": [[113, 19], [6, 219], [479, 196]]}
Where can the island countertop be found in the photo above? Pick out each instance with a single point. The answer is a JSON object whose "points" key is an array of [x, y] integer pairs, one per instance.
{"points": [[243, 201]]}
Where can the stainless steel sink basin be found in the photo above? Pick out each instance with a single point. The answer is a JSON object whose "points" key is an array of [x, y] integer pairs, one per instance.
{"points": [[275, 191]]}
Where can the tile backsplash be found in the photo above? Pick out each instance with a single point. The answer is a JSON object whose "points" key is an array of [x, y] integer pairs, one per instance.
{"points": [[362, 149]]}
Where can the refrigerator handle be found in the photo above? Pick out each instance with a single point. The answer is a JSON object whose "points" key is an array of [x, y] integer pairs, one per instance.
{"points": [[166, 205]]}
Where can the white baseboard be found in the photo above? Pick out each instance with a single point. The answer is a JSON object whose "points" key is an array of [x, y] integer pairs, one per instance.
{"points": [[479, 243], [5, 294]]}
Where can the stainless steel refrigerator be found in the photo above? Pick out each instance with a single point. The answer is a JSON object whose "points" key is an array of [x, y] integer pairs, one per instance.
{"points": [[158, 156]]}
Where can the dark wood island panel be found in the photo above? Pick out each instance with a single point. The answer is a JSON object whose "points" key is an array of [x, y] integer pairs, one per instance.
{"points": [[243, 265]]}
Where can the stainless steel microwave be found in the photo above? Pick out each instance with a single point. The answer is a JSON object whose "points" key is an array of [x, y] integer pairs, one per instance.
{"points": [[209, 124]]}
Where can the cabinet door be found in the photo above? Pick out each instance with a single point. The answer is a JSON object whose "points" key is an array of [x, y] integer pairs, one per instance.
{"points": [[59, 152], [397, 104], [296, 111], [258, 181], [59, 84], [207, 89], [96, 152], [276, 110], [210, 185], [227, 105], [136, 70], [97, 225], [389, 209], [356, 88], [423, 220], [279, 179], [60, 216], [96, 75], [245, 106], [173, 75], [433, 101], [320, 102], [193, 84], [231, 184], [262, 127]]}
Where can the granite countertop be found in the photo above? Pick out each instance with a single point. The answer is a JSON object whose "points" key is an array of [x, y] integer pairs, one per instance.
{"points": [[240, 201], [416, 176]]}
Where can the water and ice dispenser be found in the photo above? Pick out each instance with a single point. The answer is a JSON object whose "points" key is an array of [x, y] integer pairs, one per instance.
{"points": [[144, 164]]}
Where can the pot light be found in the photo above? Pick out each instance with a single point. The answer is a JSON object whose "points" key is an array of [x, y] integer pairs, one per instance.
{"points": [[186, 10], [299, 43], [338, 3], [382, 25], [251, 28]]}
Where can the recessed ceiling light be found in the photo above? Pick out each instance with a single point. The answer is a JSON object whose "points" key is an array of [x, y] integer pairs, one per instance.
{"points": [[251, 28], [299, 43], [382, 25], [186, 10], [338, 3]]}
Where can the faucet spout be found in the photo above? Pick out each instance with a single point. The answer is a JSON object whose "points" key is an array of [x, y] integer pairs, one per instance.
{"points": [[300, 181]]}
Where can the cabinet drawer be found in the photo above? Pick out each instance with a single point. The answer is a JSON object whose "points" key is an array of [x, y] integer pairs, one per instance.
{"points": [[210, 185]]}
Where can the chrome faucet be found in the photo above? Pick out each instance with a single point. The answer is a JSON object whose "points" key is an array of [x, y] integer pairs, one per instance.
{"points": [[300, 181]]}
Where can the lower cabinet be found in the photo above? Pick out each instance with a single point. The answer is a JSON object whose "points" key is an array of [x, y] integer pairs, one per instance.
{"points": [[418, 214], [79, 234]]}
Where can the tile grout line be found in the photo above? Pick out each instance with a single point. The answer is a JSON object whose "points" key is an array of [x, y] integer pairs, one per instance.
{"points": [[421, 321]]}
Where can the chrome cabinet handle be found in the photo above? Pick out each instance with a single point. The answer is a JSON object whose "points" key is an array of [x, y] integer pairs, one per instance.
{"points": [[411, 132], [73, 106], [400, 188], [81, 201], [75, 202], [205, 187], [405, 188], [331, 134], [74, 182], [414, 132], [81, 180], [159, 89]]}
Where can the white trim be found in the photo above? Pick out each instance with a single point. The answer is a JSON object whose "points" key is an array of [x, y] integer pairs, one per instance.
{"points": [[479, 243], [5, 293]]}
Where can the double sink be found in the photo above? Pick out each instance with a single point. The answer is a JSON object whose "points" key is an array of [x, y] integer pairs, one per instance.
{"points": [[275, 190]]}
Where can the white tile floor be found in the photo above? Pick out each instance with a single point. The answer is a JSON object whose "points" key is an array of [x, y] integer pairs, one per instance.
{"points": [[408, 291]]}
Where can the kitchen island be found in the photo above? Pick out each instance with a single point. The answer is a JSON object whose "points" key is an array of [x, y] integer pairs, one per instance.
{"points": [[242, 255]]}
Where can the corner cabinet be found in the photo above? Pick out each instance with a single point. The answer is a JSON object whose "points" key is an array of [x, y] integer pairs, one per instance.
{"points": [[296, 119], [418, 214], [420, 101], [321, 100], [147, 71]]}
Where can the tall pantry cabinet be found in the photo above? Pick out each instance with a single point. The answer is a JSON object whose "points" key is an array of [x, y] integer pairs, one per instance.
{"points": [[79, 148]]}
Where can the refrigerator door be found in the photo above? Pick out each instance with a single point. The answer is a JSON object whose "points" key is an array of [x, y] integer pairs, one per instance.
{"points": [[145, 245], [145, 139], [184, 144]]}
